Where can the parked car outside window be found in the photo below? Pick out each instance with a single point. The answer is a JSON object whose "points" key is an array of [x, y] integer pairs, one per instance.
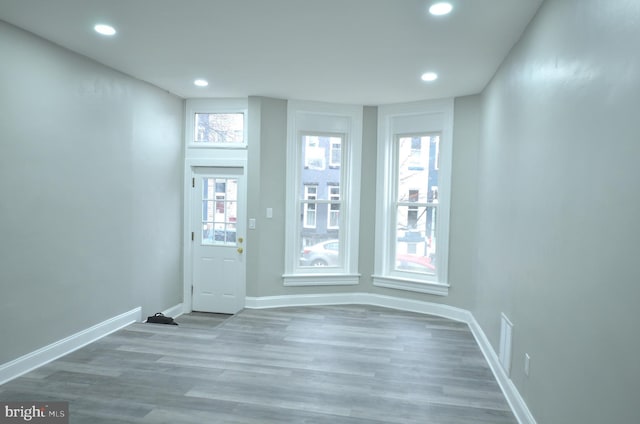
{"points": [[326, 253], [415, 263]]}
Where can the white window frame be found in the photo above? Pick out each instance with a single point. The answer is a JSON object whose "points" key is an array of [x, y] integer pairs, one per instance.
{"points": [[309, 118], [194, 106], [425, 117]]}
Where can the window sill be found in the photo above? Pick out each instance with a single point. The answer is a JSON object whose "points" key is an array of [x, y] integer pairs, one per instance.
{"points": [[321, 279], [408, 284]]}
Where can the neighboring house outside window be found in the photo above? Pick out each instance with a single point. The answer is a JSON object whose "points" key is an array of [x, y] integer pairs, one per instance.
{"points": [[320, 202], [309, 206], [334, 206]]}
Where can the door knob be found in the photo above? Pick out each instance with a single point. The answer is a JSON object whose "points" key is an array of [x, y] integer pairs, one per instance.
{"points": [[240, 250]]}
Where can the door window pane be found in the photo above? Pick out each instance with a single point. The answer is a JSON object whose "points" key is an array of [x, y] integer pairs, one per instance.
{"points": [[219, 210]]}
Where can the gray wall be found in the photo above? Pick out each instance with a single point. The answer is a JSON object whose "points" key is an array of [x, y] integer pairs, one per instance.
{"points": [[463, 243], [267, 171], [267, 182], [90, 194], [366, 249], [558, 211]]}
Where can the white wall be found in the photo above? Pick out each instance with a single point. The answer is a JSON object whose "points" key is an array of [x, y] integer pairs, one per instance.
{"points": [[557, 222], [90, 194]]}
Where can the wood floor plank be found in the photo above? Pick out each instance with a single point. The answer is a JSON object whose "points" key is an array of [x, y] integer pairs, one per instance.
{"points": [[349, 364]]}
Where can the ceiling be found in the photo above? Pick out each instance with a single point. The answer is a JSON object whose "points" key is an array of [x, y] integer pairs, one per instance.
{"points": [[346, 51]]}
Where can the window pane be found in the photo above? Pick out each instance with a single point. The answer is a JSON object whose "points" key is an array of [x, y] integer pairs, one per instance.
{"points": [[334, 215], [334, 207], [320, 201], [335, 155], [319, 249], [219, 128], [309, 215], [316, 153], [417, 172], [415, 239], [417, 187], [309, 208]]}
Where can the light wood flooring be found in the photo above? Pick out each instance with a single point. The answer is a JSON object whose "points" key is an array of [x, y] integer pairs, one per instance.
{"points": [[325, 364]]}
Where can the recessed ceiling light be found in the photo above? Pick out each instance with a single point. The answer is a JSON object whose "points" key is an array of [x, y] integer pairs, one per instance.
{"points": [[105, 29], [429, 76], [439, 9], [201, 83]]}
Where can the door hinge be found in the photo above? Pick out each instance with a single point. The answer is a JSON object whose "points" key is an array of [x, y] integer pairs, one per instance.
{"points": [[193, 237], [193, 182], [192, 289]]}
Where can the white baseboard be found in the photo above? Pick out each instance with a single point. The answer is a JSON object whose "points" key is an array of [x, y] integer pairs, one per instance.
{"points": [[511, 393], [174, 311], [517, 404], [42, 356], [302, 300], [445, 311]]}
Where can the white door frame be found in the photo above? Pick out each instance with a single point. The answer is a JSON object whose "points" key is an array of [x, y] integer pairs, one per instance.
{"points": [[190, 164]]}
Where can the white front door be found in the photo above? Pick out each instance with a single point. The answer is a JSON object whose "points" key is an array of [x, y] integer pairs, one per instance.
{"points": [[218, 232]]}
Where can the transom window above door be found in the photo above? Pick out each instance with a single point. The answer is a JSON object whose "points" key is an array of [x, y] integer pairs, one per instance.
{"points": [[219, 128], [213, 124]]}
